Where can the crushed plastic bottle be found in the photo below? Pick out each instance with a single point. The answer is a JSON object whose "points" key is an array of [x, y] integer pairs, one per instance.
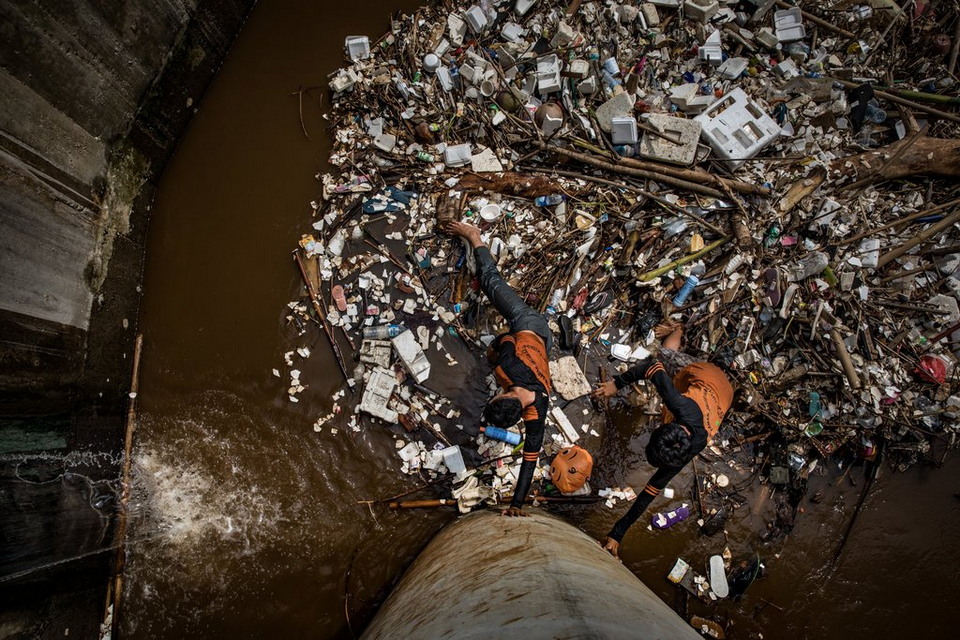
{"points": [[548, 201]]}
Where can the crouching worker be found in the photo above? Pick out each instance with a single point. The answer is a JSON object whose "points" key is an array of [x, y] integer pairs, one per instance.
{"points": [[696, 396], [520, 365]]}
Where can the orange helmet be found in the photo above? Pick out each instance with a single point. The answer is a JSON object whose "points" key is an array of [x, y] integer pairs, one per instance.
{"points": [[571, 468]]}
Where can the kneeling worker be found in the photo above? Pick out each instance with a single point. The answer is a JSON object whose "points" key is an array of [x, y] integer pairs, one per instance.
{"points": [[696, 396], [519, 358]]}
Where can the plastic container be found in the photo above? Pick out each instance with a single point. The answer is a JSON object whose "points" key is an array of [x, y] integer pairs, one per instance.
{"points": [[496, 433], [685, 291], [382, 332], [454, 459], [670, 518]]}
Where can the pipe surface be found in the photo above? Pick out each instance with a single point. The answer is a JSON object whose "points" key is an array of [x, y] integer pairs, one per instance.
{"points": [[486, 576]]}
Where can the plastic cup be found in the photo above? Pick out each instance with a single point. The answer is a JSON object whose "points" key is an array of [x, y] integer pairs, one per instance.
{"points": [[490, 212]]}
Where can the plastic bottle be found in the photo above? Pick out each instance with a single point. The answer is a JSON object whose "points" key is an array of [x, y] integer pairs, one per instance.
{"points": [[816, 407], [548, 201], [423, 156], [670, 518], [382, 332], [496, 433], [685, 291]]}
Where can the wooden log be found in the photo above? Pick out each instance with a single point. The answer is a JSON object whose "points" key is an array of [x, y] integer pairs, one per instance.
{"points": [[594, 161], [694, 175]]}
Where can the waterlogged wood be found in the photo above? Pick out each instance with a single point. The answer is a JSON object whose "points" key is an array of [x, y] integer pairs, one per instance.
{"points": [[923, 155], [511, 183]]}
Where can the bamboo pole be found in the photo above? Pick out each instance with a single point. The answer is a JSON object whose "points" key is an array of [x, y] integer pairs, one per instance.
{"points": [[924, 235], [322, 316], [115, 588], [650, 275], [905, 219]]}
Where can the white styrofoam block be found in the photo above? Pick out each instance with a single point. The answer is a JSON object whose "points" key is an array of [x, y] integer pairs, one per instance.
{"points": [[563, 36], [445, 79], [564, 425], [686, 132], [702, 10], [522, 6], [712, 50], [457, 28], [376, 395], [787, 69], [512, 32], [578, 68], [684, 93], [548, 74], [736, 128], [649, 12], [358, 47], [412, 356], [477, 19], [733, 67], [789, 25], [624, 130]]}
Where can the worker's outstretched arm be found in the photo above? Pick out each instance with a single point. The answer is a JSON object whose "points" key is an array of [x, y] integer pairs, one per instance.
{"points": [[651, 491]]}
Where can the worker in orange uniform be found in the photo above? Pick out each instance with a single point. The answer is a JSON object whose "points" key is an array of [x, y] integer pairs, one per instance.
{"points": [[696, 397]]}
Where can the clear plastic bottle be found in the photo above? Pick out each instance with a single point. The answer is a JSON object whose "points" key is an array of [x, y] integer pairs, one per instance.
{"points": [[382, 332]]}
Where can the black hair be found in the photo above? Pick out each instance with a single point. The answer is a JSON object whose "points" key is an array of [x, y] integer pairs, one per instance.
{"points": [[669, 446], [503, 412]]}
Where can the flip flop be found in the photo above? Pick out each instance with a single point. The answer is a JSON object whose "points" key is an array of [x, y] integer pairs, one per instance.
{"points": [[598, 302], [567, 335], [339, 298]]}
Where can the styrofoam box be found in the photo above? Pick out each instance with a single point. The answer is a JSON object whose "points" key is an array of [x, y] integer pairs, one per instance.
{"points": [[548, 74], [789, 25], [358, 47], [624, 130], [736, 128]]}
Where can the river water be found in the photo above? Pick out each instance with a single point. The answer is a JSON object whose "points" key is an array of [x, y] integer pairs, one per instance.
{"points": [[245, 522]]}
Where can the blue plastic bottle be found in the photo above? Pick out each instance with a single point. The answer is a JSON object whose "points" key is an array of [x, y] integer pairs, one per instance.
{"points": [[496, 433], [685, 291]]}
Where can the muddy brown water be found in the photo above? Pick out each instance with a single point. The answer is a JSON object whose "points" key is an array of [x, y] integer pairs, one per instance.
{"points": [[245, 522]]}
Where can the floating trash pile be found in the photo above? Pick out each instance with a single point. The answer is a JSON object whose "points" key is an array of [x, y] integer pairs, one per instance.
{"points": [[780, 179]]}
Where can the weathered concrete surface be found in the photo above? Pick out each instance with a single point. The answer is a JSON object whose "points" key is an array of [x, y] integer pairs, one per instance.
{"points": [[94, 95], [486, 576]]}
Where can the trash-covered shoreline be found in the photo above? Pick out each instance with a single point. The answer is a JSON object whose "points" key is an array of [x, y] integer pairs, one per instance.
{"points": [[782, 180]]}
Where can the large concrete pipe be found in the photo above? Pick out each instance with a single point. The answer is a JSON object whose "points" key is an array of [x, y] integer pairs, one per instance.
{"points": [[486, 576]]}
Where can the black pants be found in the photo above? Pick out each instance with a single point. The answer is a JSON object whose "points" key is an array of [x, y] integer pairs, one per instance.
{"points": [[518, 315]]}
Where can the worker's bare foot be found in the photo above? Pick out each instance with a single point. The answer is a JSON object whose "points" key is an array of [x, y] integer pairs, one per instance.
{"points": [[464, 230], [666, 327]]}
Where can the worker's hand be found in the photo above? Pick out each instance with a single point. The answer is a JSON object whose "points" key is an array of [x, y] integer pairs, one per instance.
{"points": [[464, 230], [605, 389], [612, 546], [516, 512]]}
